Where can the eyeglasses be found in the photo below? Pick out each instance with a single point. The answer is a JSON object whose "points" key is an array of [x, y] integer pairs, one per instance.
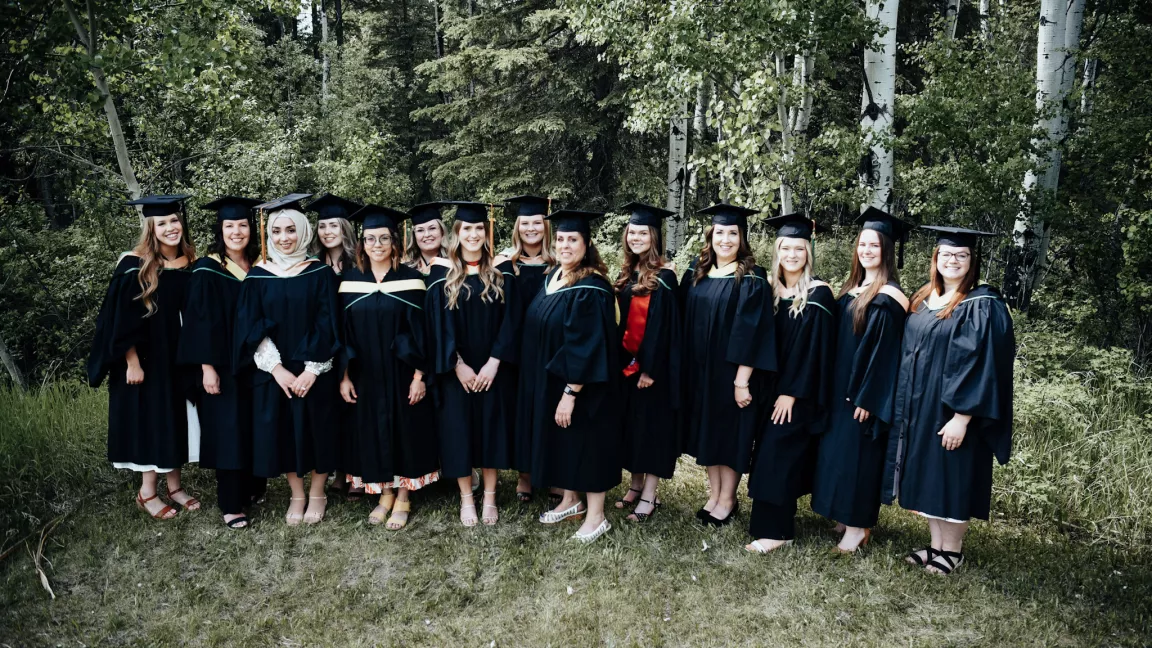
{"points": [[961, 257], [372, 240]]}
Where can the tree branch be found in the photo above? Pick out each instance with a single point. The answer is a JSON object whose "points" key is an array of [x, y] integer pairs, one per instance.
{"points": [[80, 32]]}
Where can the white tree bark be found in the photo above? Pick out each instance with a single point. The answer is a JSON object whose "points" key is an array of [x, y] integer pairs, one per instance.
{"points": [[793, 118], [878, 99], [951, 16], [13, 370], [325, 61], [677, 160], [1086, 85], [984, 8]]}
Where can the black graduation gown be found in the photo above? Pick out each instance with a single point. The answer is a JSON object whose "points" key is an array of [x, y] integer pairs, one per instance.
{"points": [[529, 281], [782, 467], [385, 342], [651, 442], [725, 325], [850, 458], [209, 320], [299, 314], [570, 338], [476, 429], [147, 423], [960, 364]]}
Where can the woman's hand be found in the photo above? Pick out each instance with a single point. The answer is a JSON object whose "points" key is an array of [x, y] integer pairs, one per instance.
{"points": [[135, 374], [466, 376], [645, 381], [211, 379], [861, 414], [564, 410], [416, 390], [782, 410], [284, 378], [303, 383], [954, 431], [743, 396], [487, 375], [347, 389]]}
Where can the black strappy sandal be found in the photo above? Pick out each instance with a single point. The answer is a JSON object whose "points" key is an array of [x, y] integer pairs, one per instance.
{"points": [[523, 497], [238, 523], [913, 558], [952, 560], [623, 503], [642, 517]]}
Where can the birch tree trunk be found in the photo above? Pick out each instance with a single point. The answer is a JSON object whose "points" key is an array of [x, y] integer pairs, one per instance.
{"points": [[677, 163], [984, 8], [951, 17], [325, 62], [1058, 38], [878, 99], [89, 38], [10, 365], [678, 225], [793, 118]]}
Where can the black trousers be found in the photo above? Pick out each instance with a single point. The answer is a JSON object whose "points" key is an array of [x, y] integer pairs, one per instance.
{"points": [[236, 489], [773, 521]]}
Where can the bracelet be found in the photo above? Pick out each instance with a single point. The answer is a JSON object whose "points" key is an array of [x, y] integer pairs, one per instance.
{"points": [[569, 391], [739, 386]]}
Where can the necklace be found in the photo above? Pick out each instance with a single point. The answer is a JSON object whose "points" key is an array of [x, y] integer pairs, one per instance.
{"points": [[472, 264]]}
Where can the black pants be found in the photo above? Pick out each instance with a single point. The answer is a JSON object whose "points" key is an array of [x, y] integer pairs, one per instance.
{"points": [[773, 521], [235, 489]]}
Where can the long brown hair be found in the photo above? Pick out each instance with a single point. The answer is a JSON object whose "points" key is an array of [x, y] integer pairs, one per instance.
{"points": [[491, 279], [885, 273], [936, 285], [151, 261], [545, 245], [364, 264], [744, 259], [646, 265], [590, 264], [412, 253]]}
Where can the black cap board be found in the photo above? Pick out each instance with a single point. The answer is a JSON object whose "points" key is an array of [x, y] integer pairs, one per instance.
{"points": [[332, 206], [425, 212], [574, 220], [232, 208], [725, 214], [161, 204], [957, 236], [528, 205], [468, 211], [795, 226], [290, 201], [894, 228], [375, 217], [643, 214]]}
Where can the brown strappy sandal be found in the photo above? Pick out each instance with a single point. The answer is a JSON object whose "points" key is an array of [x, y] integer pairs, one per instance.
{"points": [[166, 513]]}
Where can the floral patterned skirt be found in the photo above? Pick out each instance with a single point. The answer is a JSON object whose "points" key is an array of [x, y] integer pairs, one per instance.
{"points": [[376, 488]]}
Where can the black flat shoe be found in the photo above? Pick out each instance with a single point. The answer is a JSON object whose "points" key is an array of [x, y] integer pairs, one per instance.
{"points": [[523, 497], [238, 523], [701, 514]]}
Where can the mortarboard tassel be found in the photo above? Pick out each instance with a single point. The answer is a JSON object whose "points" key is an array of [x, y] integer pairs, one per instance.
{"points": [[492, 229], [900, 254], [263, 242]]}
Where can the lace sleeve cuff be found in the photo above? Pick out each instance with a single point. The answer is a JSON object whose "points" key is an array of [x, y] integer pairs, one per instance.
{"points": [[318, 368], [267, 355]]}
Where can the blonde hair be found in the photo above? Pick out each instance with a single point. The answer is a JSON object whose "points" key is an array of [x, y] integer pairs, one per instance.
{"points": [[546, 251], [412, 253], [776, 278], [491, 279], [151, 261]]}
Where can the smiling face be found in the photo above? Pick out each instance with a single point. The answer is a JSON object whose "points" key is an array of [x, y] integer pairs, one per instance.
{"points": [[428, 238], [793, 254], [236, 234], [570, 249], [531, 229], [378, 244], [328, 232], [168, 230], [471, 236], [639, 239], [284, 235], [868, 249], [953, 263], [725, 242]]}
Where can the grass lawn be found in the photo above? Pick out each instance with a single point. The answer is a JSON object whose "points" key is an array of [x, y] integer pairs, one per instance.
{"points": [[123, 579]]}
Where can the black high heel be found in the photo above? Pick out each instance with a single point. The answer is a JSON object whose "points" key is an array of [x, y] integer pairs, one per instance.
{"points": [[642, 517]]}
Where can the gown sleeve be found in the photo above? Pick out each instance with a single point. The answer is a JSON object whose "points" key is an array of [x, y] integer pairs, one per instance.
{"points": [[203, 334], [507, 345], [752, 341], [876, 363], [806, 371], [251, 326], [583, 358], [441, 325], [412, 344], [659, 353], [978, 372], [322, 343], [120, 324]]}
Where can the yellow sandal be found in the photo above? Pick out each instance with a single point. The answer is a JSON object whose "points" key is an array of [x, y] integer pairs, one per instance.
{"points": [[394, 523], [386, 500]]}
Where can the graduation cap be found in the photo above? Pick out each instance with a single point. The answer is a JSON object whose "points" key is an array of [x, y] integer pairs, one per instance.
{"points": [[527, 205], [468, 211], [232, 208], [290, 201], [574, 220], [425, 212], [649, 215], [795, 226], [375, 217], [725, 214], [957, 236], [333, 206], [160, 205], [888, 225]]}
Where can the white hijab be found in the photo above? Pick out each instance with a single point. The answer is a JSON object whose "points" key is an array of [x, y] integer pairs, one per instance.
{"points": [[303, 240]]}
